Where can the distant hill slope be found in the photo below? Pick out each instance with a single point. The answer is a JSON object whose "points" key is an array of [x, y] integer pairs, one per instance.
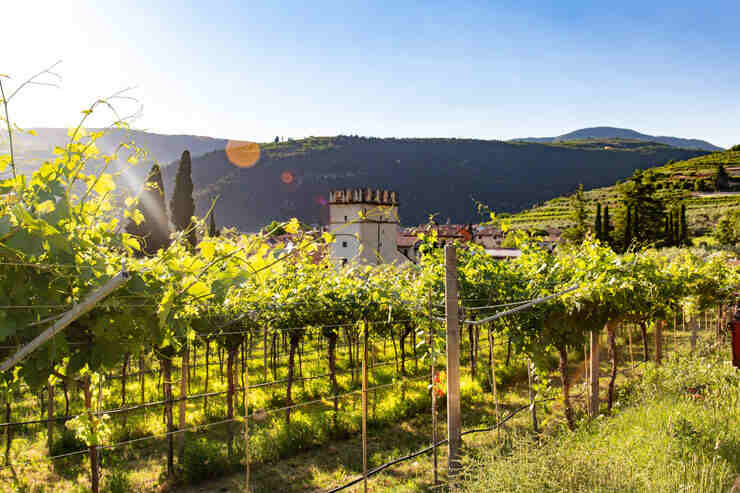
{"points": [[32, 150], [602, 133], [432, 175], [704, 207]]}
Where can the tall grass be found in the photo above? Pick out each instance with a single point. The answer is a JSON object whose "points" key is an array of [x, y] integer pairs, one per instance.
{"points": [[679, 431]]}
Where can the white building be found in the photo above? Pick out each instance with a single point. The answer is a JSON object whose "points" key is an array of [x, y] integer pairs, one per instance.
{"points": [[365, 225]]}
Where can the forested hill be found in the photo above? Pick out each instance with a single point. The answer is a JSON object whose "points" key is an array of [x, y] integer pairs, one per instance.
{"points": [[600, 133], [441, 176]]}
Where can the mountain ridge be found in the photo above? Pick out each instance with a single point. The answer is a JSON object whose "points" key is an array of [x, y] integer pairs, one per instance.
{"points": [[591, 133]]}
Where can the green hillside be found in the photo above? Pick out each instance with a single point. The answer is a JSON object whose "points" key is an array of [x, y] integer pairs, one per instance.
{"points": [[443, 176], [692, 179]]}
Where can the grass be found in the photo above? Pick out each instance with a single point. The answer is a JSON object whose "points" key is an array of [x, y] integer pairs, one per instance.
{"points": [[665, 439]]}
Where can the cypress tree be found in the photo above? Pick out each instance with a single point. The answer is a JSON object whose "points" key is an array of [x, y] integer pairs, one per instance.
{"points": [[605, 224], [212, 231], [722, 180], [153, 232], [628, 229], [597, 223], [668, 233], [684, 226], [674, 226], [182, 205]]}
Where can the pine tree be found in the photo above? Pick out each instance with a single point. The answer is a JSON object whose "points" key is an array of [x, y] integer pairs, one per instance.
{"points": [[153, 232], [606, 234], [597, 223], [579, 216], [724, 232], [646, 206], [182, 205]]}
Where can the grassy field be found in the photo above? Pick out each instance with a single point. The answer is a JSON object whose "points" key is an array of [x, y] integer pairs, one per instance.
{"points": [[676, 430]]}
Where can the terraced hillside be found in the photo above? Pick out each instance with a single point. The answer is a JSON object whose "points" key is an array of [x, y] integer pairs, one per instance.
{"points": [[692, 179]]}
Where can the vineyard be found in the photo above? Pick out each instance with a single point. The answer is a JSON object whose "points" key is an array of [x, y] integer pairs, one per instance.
{"points": [[676, 180], [238, 352]]}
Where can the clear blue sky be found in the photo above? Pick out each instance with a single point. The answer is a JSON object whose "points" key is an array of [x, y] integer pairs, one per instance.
{"points": [[494, 70]]}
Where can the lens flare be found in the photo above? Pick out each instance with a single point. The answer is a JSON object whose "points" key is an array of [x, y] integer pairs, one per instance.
{"points": [[242, 153], [287, 177]]}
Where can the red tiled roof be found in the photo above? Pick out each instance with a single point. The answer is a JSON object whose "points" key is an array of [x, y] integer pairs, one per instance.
{"points": [[405, 240]]}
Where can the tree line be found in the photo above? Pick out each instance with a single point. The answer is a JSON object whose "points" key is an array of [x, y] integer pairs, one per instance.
{"points": [[644, 217]]}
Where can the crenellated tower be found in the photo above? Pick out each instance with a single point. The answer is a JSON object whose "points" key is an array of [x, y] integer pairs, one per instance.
{"points": [[365, 224]]}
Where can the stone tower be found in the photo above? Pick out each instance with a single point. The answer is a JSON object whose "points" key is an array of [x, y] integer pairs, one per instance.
{"points": [[365, 225]]}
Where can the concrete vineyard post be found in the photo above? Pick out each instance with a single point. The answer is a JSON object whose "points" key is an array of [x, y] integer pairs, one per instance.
{"points": [[182, 405], [453, 360], [492, 364], [246, 423], [50, 416], [364, 407], [594, 371], [533, 408], [434, 395], [632, 354], [93, 450]]}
